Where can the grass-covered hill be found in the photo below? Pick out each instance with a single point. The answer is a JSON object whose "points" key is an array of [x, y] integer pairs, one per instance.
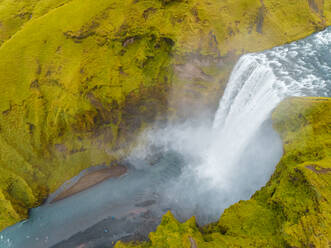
{"points": [[80, 78], [292, 210]]}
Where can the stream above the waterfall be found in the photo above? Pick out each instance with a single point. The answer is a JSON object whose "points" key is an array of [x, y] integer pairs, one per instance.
{"points": [[198, 168]]}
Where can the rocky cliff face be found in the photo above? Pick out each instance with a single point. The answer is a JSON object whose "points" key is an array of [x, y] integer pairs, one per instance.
{"points": [[79, 79], [292, 210]]}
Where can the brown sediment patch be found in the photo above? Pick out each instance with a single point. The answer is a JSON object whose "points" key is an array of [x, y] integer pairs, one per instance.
{"points": [[317, 169], [90, 179]]}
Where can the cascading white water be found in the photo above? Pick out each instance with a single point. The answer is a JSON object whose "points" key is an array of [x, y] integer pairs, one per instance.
{"points": [[223, 162], [257, 84], [246, 104]]}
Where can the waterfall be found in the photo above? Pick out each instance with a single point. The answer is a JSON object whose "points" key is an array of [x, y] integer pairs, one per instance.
{"points": [[237, 156], [258, 83]]}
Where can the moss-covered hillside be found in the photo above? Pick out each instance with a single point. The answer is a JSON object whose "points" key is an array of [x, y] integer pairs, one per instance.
{"points": [[292, 210], [80, 78]]}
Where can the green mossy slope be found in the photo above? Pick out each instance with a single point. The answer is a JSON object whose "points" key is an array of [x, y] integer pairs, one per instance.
{"points": [[14, 14], [79, 79], [292, 210]]}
